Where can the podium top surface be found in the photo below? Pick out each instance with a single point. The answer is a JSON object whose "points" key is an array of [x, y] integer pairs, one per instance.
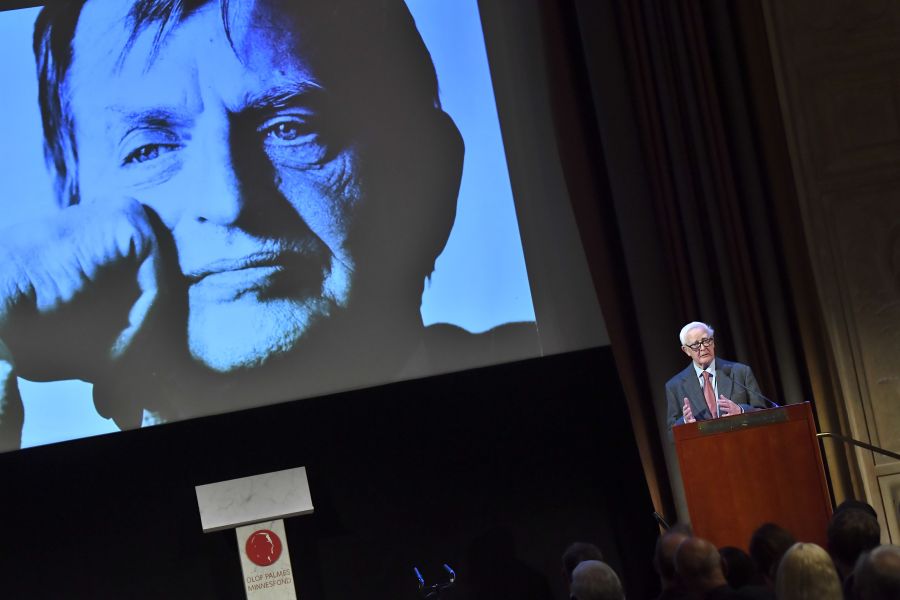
{"points": [[254, 499], [747, 420]]}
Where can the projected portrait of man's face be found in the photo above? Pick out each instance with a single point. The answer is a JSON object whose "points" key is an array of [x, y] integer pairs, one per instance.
{"points": [[224, 140], [244, 203], [282, 173], [277, 164]]}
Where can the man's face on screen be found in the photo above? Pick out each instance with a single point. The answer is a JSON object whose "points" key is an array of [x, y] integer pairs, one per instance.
{"points": [[225, 140]]}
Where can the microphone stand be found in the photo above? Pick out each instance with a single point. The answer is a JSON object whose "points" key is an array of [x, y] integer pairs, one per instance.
{"points": [[741, 385]]}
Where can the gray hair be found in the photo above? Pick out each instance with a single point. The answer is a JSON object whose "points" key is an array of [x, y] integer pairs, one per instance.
{"points": [[877, 574], [682, 336], [595, 580], [806, 571]]}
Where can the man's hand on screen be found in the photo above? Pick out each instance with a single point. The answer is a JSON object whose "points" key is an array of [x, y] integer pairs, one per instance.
{"points": [[76, 288]]}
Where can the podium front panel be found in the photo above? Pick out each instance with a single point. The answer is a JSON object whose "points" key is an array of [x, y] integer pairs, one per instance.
{"points": [[742, 471]]}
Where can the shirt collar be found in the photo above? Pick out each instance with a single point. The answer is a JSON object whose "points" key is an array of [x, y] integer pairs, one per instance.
{"points": [[711, 368]]}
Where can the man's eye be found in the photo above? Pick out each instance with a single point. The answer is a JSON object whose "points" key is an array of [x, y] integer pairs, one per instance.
{"points": [[293, 140], [286, 131], [146, 153]]}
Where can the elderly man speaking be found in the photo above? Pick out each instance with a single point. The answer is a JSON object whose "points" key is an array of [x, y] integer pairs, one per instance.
{"points": [[709, 388]]}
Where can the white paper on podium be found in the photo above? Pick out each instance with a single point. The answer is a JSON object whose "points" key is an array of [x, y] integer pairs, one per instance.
{"points": [[237, 502]]}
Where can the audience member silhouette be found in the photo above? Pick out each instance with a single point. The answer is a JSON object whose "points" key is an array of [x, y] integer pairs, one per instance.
{"points": [[699, 566], [576, 553], [807, 573], [877, 574], [851, 532], [664, 563], [743, 576], [595, 580], [740, 570], [858, 505], [767, 545]]}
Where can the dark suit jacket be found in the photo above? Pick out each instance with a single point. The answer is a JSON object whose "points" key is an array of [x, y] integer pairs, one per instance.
{"points": [[687, 385]]}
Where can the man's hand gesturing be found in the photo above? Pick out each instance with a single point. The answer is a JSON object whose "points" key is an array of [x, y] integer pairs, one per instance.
{"points": [[687, 412], [727, 407]]}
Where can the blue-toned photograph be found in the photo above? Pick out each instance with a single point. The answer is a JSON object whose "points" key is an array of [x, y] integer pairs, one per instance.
{"points": [[215, 205]]}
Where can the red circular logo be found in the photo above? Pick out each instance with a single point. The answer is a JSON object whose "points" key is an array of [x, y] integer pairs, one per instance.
{"points": [[263, 547]]}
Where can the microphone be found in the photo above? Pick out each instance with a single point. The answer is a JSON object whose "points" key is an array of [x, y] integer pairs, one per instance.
{"points": [[727, 371], [450, 572], [419, 577]]}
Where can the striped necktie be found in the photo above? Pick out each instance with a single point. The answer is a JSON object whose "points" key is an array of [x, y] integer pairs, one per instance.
{"points": [[709, 394]]}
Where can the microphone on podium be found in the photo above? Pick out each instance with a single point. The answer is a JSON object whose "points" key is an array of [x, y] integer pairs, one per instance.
{"points": [[727, 371]]}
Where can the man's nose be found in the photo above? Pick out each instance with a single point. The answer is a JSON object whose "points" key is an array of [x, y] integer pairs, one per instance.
{"points": [[220, 197]]}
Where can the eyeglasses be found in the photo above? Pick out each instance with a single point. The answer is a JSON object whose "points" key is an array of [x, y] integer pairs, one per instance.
{"points": [[705, 342]]}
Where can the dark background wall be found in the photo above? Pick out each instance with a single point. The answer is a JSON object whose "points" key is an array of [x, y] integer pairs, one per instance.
{"points": [[493, 471]]}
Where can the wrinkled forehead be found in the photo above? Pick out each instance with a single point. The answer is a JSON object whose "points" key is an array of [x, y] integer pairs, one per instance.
{"points": [[367, 54], [116, 33]]}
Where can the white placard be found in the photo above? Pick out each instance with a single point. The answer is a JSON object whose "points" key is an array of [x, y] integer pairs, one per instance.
{"points": [[253, 499], [265, 561]]}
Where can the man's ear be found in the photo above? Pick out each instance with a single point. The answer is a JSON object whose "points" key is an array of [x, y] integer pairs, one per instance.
{"points": [[412, 170], [439, 162], [421, 173], [687, 352]]}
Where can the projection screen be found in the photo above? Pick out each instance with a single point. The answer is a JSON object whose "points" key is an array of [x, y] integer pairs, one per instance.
{"points": [[211, 206]]}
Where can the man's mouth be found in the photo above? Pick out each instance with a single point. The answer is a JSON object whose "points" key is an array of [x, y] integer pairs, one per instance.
{"points": [[265, 274], [255, 262]]}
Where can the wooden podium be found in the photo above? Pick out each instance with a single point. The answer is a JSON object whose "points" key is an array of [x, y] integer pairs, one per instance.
{"points": [[742, 471]]}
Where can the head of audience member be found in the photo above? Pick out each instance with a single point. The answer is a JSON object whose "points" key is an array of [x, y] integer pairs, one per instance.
{"points": [[767, 545], [698, 343], [740, 570], [851, 532], [577, 553], [877, 574], [807, 573], [595, 580], [854, 504], [699, 566], [664, 554], [294, 154]]}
